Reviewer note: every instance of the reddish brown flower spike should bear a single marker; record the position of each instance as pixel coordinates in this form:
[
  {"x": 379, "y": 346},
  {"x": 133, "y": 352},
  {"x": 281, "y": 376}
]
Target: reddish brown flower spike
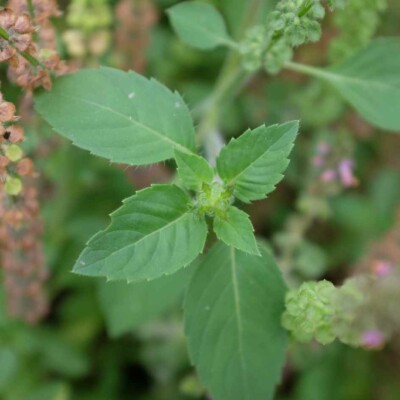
[
  {"x": 19, "y": 31},
  {"x": 23, "y": 24},
  {"x": 16, "y": 134},
  {"x": 7, "y": 18},
  {"x": 7, "y": 111},
  {"x": 25, "y": 167}
]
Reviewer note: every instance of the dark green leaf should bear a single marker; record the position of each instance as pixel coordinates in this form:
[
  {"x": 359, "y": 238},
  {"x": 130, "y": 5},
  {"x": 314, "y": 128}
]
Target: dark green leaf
[
  {"x": 119, "y": 115},
  {"x": 254, "y": 163},
  {"x": 193, "y": 170},
  {"x": 232, "y": 321},
  {"x": 235, "y": 229},
  {"x": 154, "y": 233}
]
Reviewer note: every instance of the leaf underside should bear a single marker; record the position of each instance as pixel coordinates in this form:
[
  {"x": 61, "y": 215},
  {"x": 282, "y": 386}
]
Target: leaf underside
[
  {"x": 199, "y": 25},
  {"x": 370, "y": 81}
]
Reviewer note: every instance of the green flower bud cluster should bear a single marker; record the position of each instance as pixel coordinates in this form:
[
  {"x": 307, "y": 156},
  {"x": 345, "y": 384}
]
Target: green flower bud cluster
[
  {"x": 252, "y": 47},
  {"x": 293, "y": 23},
  {"x": 89, "y": 15},
  {"x": 310, "y": 311},
  {"x": 214, "y": 199},
  {"x": 360, "y": 313},
  {"x": 349, "y": 320},
  {"x": 352, "y": 38}
]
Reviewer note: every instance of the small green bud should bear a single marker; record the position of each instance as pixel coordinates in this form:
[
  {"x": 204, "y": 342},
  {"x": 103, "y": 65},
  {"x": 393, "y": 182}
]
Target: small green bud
[
  {"x": 278, "y": 55},
  {"x": 214, "y": 199},
  {"x": 313, "y": 31},
  {"x": 13, "y": 186},
  {"x": 317, "y": 11},
  {"x": 13, "y": 152}
]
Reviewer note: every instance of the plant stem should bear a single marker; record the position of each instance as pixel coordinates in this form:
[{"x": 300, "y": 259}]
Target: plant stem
[
  {"x": 230, "y": 78},
  {"x": 3, "y": 34},
  {"x": 230, "y": 81},
  {"x": 31, "y": 9},
  {"x": 308, "y": 70}
]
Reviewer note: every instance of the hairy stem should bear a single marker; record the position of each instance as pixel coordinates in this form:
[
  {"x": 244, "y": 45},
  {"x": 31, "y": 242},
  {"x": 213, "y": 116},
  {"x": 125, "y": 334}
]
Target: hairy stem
[{"x": 230, "y": 81}]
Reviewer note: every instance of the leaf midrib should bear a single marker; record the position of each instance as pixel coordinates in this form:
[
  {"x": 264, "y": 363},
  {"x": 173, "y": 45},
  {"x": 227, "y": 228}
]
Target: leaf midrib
[
  {"x": 186, "y": 213},
  {"x": 336, "y": 76},
  {"x": 239, "y": 322},
  {"x": 220, "y": 39},
  {"x": 238, "y": 176},
  {"x": 133, "y": 122}
]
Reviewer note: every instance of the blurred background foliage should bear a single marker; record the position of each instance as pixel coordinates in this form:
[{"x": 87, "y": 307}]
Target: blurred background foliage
[{"x": 88, "y": 347}]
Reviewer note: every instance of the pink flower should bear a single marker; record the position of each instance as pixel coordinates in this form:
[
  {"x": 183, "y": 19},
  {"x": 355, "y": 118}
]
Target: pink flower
[
  {"x": 346, "y": 173},
  {"x": 382, "y": 268},
  {"x": 373, "y": 339},
  {"x": 329, "y": 175}
]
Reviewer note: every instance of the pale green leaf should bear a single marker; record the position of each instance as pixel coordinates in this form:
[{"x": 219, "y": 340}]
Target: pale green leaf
[
  {"x": 154, "y": 233},
  {"x": 8, "y": 366},
  {"x": 369, "y": 81},
  {"x": 254, "y": 163},
  {"x": 235, "y": 229},
  {"x": 193, "y": 170},
  {"x": 232, "y": 321},
  {"x": 128, "y": 305},
  {"x": 199, "y": 25},
  {"x": 119, "y": 115}
]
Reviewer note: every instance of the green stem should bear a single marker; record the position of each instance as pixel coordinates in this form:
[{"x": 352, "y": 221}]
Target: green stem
[
  {"x": 31, "y": 9},
  {"x": 252, "y": 13},
  {"x": 308, "y": 70},
  {"x": 230, "y": 81},
  {"x": 3, "y": 34},
  {"x": 230, "y": 78}
]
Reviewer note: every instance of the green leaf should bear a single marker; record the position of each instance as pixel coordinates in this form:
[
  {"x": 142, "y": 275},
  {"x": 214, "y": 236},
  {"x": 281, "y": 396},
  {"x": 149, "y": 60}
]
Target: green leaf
[
  {"x": 235, "y": 229},
  {"x": 51, "y": 391},
  {"x": 199, "y": 25},
  {"x": 8, "y": 366},
  {"x": 128, "y": 305},
  {"x": 232, "y": 322},
  {"x": 193, "y": 170},
  {"x": 369, "y": 81},
  {"x": 119, "y": 115},
  {"x": 254, "y": 163},
  {"x": 154, "y": 233}
]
